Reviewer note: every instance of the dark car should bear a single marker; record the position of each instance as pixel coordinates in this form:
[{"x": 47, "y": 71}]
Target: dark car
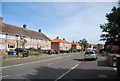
[{"x": 21, "y": 50}]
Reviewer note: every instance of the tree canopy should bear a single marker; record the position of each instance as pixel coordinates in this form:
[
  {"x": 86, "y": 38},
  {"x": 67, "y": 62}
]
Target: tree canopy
[
  {"x": 112, "y": 27},
  {"x": 83, "y": 43}
]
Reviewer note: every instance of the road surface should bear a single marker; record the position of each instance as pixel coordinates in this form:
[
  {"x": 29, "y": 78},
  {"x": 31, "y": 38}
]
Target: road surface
[{"x": 57, "y": 67}]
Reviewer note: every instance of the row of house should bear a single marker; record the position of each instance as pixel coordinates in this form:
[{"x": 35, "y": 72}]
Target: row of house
[
  {"x": 96, "y": 46},
  {"x": 10, "y": 38}
]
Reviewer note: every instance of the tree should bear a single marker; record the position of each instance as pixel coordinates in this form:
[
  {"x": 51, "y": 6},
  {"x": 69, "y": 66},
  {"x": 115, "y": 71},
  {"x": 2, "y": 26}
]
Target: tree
[
  {"x": 83, "y": 43},
  {"x": 112, "y": 27},
  {"x": 23, "y": 41}
]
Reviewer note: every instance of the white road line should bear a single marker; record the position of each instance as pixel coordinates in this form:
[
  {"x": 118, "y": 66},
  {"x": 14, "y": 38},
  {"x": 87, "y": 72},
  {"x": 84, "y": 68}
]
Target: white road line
[
  {"x": 66, "y": 72},
  {"x": 4, "y": 76},
  {"x": 32, "y": 62},
  {"x": 102, "y": 76},
  {"x": 50, "y": 64}
]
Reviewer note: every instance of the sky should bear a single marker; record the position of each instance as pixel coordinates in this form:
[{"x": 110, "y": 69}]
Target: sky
[{"x": 69, "y": 20}]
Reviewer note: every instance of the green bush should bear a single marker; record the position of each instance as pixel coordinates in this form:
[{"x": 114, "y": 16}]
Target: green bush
[
  {"x": 33, "y": 53},
  {"x": 74, "y": 50},
  {"x": 11, "y": 50}
]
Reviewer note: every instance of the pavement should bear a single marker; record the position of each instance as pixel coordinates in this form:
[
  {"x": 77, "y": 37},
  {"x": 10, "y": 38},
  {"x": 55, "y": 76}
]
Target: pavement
[{"x": 70, "y": 67}]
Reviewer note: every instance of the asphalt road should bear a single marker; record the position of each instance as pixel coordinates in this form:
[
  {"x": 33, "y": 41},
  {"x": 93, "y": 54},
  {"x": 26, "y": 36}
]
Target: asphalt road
[{"x": 57, "y": 67}]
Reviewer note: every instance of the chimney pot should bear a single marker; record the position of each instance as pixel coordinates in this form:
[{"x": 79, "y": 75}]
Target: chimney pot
[
  {"x": 57, "y": 37},
  {"x": 25, "y": 26},
  {"x": 1, "y": 19},
  {"x": 39, "y": 30},
  {"x": 63, "y": 38}
]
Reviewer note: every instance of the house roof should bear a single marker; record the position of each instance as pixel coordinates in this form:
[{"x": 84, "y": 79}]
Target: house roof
[
  {"x": 11, "y": 29},
  {"x": 60, "y": 40},
  {"x": 74, "y": 43}
]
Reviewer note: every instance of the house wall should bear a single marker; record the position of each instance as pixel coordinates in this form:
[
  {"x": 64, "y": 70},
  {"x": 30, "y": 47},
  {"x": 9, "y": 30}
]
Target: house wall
[
  {"x": 55, "y": 46},
  {"x": 78, "y": 47},
  {"x": 6, "y": 43},
  {"x": 64, "y": 46},
  {"x": 60, "y": 46}
]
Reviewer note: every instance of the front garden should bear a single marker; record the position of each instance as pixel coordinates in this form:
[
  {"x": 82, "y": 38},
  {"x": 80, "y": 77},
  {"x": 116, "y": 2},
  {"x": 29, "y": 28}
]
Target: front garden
[{"x": 22, "y": 52}]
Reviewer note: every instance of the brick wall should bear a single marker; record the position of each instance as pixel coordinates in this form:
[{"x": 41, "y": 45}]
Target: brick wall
[{"x": 55, "y": 45}]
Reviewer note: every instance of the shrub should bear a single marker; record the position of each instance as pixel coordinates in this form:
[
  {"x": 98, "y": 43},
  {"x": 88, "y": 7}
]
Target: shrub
[
  {"x": 33, "y": 53},
  {"x": 74, "y": 50}
]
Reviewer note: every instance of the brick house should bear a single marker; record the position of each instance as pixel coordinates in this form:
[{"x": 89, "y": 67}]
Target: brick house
[
  {"x": 10, "y": 36},
  {"x": 117, "y": 46},
  {"x": 96, "y": 46},
  {"x": 75, "y": 45},
  {"x": 60, "y": 44},
  {"x": 92, "y": 46}
]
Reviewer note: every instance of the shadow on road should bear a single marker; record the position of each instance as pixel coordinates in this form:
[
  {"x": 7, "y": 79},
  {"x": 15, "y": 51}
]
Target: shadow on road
[
  {"x": 79, "y": 59},
  {"x": 50, "y": 74}
]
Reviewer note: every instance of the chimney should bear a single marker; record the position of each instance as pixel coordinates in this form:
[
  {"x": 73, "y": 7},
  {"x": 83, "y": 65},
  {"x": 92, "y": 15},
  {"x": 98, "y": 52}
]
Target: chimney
[
  {"x": 25, "y": 26},
  {"x": 57, "y": 37},
  {"x": 39, "y": 30},
  {"x": 73, "y": 40},
  {"x": 1, "y": 19},
  {"x": 63, "y": 38}
]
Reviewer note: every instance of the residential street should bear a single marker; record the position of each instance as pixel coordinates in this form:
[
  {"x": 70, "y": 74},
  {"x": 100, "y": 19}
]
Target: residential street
[{"x": 57, "y": 67}]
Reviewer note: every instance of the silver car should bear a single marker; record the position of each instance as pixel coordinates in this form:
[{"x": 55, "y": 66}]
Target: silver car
[{"x": 90, "y": 55}]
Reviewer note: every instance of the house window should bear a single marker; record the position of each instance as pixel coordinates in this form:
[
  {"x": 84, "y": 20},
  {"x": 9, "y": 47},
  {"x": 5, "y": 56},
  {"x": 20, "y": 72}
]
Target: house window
[
  {"x": 2, "y": 35},
  {"x": 20, "y": 37},
  {"x": 47, "y": 41},
  {"x": 34, "y": 46},
  {"x": 2, "y": 46},
  {"x": 20, "y": 46},
  {"x": 11, "y": 36},
  {"x": 34, "y": 39},
  {"x": 28, "y": 38},
  {"x": 11, "y": 45},
  {"x": 43, "y": 41},
  {"x": 27, "y": 46}
]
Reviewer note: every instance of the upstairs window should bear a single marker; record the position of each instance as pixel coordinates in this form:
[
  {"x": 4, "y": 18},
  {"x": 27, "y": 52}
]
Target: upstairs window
[
  {"x": 34, "y": 39},
  {"x": 28, "y": 38},
  {"x": 2, "y": 46},
  {"x": 47, "y": 41},
  {"x": 43, "y": 40},
  {"x": 2, "y": 35},
  {"x": 11, "y": 36}
]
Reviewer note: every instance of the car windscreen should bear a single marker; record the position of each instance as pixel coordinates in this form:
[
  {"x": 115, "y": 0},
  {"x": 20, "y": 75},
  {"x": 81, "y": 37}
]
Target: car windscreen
[{"x": 89, "y": 53}]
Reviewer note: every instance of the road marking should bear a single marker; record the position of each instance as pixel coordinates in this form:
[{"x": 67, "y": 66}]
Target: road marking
[
  {"x": 67, "y": 72},
  {"x": 50, "y": 64},
  {"x": 102, "y": 76},
  {"x": 4, "y": 76},
  {"x": 33, "y": 62}
]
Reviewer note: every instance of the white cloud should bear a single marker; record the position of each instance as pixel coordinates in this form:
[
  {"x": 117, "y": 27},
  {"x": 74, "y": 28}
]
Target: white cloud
[{"x": 83, "y": 24}]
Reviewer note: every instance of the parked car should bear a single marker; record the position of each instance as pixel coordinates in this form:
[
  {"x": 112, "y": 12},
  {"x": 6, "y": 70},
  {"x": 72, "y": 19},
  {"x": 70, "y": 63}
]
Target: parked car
[
  {"x": 90, "y": 55},
  {"x": 21, "y": 50}
]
